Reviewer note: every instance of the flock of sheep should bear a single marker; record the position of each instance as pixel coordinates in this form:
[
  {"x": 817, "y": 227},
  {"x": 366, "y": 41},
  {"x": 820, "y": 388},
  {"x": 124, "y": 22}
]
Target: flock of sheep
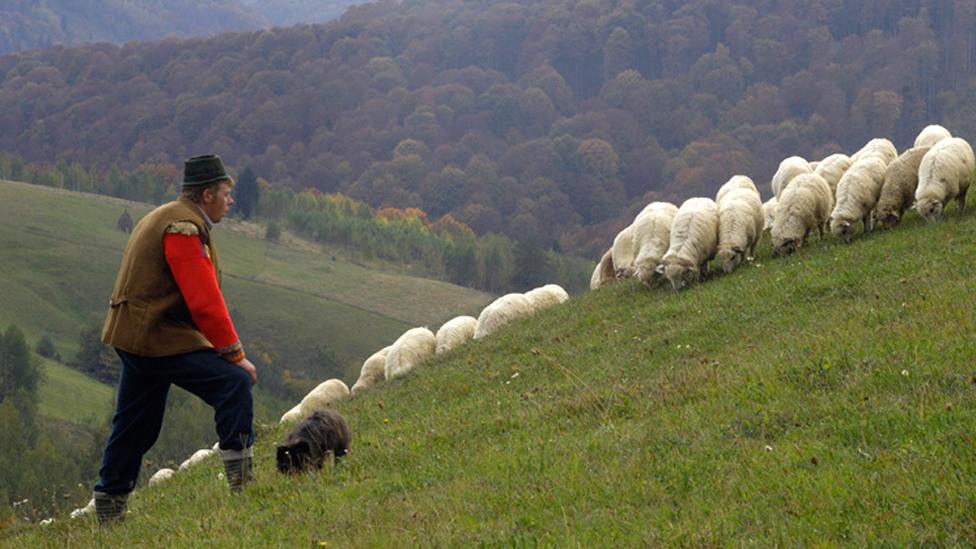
[
  {"x": 409, "y": 350},
  {"x": 875, "y": 184}
]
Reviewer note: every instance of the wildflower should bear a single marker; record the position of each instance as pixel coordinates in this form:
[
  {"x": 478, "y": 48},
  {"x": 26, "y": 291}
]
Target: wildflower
[
  {"x": 904, "y": 373},
  {"x": 515, "y": 375},
  {"x": 768, "y": 448}
]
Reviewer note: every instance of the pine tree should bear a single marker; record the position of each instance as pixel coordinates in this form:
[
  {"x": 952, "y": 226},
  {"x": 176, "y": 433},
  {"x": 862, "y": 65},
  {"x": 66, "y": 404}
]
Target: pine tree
[{"x": 246, "y": 193}]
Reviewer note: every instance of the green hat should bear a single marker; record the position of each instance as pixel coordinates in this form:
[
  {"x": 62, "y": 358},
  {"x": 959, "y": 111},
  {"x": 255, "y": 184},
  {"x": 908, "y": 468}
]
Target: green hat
[{"x": 203, "y": 170}]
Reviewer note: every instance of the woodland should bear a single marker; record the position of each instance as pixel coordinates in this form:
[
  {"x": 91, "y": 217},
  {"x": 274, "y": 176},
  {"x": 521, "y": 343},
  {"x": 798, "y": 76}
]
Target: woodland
[{"x": 550, "y": 121}]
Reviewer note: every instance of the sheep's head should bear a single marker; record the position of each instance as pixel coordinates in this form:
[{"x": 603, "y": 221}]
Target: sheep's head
[
  {"x": 842, "y": 228},
  {"x": 620, "y": 274},
  {"x": 785, "y": 246},
  {"x": 679, "y": 274},
  {"x": 730, "y": 258},
  {"x": 293, "y": 458},
  {"x": 888, "y": 218},
  {"x": 930, "y": 209},
  {"x": 646, "y": 270}
]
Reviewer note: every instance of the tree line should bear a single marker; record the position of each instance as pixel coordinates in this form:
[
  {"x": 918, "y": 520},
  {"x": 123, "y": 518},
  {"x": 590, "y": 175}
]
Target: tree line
[
  {"x": 553, "y": 121},
  {"x": 443, "y": 248}
]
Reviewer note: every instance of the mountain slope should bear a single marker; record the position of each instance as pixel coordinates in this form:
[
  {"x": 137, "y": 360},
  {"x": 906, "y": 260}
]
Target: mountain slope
[
  {"x": 59, "y": 252},
  {"x": 825, "y": 398}
]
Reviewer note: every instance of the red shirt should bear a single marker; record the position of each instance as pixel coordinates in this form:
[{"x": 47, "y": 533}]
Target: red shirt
[{"x": 189, "y": 260}]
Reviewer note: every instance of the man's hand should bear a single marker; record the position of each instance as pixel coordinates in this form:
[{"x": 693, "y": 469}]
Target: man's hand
[{"x": 245, "y": 364}]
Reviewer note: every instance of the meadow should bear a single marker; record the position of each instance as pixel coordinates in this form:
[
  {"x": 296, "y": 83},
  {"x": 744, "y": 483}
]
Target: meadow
[{"x": 823, "y": 399}]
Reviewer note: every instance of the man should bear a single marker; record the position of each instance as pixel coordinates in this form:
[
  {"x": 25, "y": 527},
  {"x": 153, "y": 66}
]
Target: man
[{"x": 168, "y": 322}]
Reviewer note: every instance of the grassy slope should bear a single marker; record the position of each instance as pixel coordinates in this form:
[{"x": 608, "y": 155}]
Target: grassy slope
[
  {"x": 823, "y": 398},
  {"x": 59, "y": 252}
]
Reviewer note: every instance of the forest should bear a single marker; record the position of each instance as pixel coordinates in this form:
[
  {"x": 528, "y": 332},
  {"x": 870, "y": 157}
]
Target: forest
[
  {"x": 28, "y": 24},
  {"x": 553, "y": 121}
]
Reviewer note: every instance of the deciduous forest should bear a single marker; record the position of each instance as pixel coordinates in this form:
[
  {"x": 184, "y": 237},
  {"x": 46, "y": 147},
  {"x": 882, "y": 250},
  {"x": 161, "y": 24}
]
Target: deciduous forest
[{"x": 553, "y": 120}]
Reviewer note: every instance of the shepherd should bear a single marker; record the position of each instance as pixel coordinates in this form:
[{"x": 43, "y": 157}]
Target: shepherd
[{"x": 169, "y": 324}]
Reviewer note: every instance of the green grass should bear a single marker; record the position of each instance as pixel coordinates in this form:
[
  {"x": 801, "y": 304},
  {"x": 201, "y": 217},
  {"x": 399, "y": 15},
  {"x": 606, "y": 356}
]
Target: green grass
[
  {"x": 818, "y": 400},
  {"x": 59, "y": 252},
  {"x": 72, "y": 396}
]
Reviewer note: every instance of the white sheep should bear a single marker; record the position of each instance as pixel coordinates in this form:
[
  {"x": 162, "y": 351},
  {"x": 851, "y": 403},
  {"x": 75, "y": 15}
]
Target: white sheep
[
  {"x": 504, "y": 310},
  {"x": 546, "y": 296},
  {"x": 86, "y": 510},
  {"x": 857, "y": 196},
  {"x": 832, "y": 169},
  {"x": 735, "y": 182},
  {"x": 161, "y": 475},
  {"x": 652, "y": 238},
  {"x": 788, "y": 169},
  {"x": 324, "y": 396},
  {"x": 372, "y": 372},
  {"x": 604, "y": 273},
  {"x": 198, "y": 457},
  {"x": 623, "y": 253},
  {"x": 769, "y": 213},
  {"x": 454, "y": 333},
  {"x": 898, "y": 189},
  {"x": 930, "y": 135},
  {"x": 410, "y": 349},
  {"x": 804, "y": 206},
  {"x": 292, "y": 416},
  {"x": 880, "y": 147},
  {"x": 740, "y": 226},
  {"x": 943, "y": 175},
  {"x": 694, "y": 241}
]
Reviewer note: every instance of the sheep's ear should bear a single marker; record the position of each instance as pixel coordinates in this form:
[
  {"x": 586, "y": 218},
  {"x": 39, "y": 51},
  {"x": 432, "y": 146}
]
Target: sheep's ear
[
  {"x": 737, "y": 249},
  {"x": 659, "y": 269}
]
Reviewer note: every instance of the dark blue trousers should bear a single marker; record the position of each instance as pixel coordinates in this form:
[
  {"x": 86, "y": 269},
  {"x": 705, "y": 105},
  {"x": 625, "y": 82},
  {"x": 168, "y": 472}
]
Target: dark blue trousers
[{"x": 143, "y": 387}]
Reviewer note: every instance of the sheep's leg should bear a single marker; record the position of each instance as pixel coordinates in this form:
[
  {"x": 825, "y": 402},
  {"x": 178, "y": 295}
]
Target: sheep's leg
[
  {"x": 961, "y": 199},
  {"x": 866, "y": 223}
]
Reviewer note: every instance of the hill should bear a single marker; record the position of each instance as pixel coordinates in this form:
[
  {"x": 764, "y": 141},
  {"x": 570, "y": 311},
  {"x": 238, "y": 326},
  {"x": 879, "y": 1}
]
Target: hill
[
  {"x": 292, "y": 301},
  {"x": 821, "y": 399},
  {"x": 549, "y": 120},
  {"x": 27, "y": 25}
]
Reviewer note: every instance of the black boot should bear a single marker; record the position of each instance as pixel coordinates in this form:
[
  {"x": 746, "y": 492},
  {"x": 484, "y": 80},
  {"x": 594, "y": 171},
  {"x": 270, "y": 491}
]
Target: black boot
[
  {"x": 110, "y": 508},
  {"x": 238, "y": 468}
]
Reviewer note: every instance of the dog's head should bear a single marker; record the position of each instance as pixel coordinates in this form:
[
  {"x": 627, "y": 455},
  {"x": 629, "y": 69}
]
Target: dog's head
[{"x": 293, "y": 458}]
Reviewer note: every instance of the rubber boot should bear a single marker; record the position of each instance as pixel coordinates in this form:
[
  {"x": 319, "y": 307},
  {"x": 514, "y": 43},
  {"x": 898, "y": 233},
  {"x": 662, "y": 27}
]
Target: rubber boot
[
  {"x": 110, "y": 508},
  {"x": 238, "y": 468}
]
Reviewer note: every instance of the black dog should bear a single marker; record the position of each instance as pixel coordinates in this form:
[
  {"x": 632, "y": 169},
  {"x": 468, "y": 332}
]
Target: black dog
[{"x": 312, "y": 439}]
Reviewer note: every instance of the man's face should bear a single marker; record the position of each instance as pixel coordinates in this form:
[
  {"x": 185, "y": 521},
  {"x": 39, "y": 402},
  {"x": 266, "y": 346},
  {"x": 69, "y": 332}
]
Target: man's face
[{"x": 216, "y": 203}]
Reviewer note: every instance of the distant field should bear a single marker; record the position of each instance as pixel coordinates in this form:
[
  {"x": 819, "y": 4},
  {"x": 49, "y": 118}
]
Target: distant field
[
  {"x": 72, "y": 396},
  {"x": 59, "y": 252}
]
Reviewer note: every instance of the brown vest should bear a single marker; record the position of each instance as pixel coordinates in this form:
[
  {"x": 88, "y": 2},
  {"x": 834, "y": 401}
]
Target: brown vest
[{"x": 147, "y": 315}]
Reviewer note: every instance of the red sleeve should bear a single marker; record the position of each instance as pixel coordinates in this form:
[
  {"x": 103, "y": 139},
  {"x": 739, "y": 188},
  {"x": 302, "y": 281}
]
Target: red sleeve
[{"x": 189, "y": 260}]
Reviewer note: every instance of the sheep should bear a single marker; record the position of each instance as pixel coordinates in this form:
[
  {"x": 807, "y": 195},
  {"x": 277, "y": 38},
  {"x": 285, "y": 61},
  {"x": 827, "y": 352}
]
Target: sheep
[
  {"x": 162, "y": 475},
  {"x": 291, "y": 416},
  {"x": 694, "y": 241},
  {"x": 804, "y": 206},
  {"x": 545, "y": 297},
  {"x": 769, "y": 212},
  {"x": 198, "y": 457},
  {"x": 898, "y": 189},
  {"x": 944, "y": 174},
  {"x": 736, "y": 182},
  {"x": 86, "y": 510},
  {"x": 623, "y": 253},
  {"x": 652, "y": 238},
  {"x": 880, "y": 147},
  {"x": 930, "y": 135},
  {"x": 323, "y": 433},
  {"x": 740, "y": 226},
  {"x": 604, "y": 273},
  {"x": 857, "y": 195},
  {"x": 372, "y": 372},
  {"x": 455, "y": 332},
  {"x": 788, "y": 169},
  {"x": 323, "y": 396},
  {"x": 413, "y": 347},
  {"x": 832, "y": 169},
  {"x": 505, "y": 309}
]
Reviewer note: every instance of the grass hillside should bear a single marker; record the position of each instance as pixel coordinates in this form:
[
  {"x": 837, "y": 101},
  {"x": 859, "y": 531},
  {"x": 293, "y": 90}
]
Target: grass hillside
[
  {"x": 818, "y": 400},
  {"x": 59, "y": 252}
]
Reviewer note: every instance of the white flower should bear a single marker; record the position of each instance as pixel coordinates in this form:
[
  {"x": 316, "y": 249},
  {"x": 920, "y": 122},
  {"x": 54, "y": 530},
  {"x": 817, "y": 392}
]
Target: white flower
[
  {"x": 768, "y": 448},
  {"x": 47, "y": 521},
  {"x": 904, "y": 373}
]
